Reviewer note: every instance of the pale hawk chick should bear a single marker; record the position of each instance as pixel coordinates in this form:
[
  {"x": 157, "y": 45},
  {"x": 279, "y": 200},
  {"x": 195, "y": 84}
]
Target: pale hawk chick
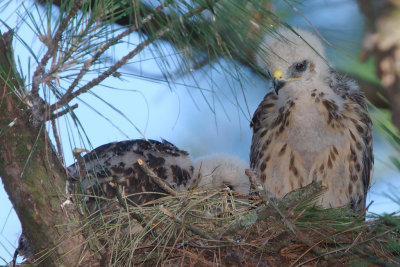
[
  {"x": 314, "y": 127},
  {"x": 222, "y": 170}
]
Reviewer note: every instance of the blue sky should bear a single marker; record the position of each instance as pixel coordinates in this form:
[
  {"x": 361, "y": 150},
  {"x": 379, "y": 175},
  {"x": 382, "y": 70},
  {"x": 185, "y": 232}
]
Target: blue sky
[{"x": 168, "y": 111}]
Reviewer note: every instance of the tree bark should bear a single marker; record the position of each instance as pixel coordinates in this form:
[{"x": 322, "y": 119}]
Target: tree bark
[
  {"x": 382, "y": 40},
  {"x": 33, "y": 177}
]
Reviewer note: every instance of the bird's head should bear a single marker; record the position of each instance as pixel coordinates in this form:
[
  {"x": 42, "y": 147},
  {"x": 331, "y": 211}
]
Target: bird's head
[{"x": 292, "y": 58}]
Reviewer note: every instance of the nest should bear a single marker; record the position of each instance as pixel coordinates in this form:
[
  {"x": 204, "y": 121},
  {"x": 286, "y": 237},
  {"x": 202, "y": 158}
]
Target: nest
[{"x": 223, "y": 228}]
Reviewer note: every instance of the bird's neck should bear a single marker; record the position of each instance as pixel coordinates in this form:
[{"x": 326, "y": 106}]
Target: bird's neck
[
  {"x": 308, "y": 132},
  {"x": 307, "y": 93}
]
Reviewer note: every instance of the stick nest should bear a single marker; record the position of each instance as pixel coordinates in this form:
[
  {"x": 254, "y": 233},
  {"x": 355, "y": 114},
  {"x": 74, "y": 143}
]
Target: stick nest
[{"x": 223, "y": 228}]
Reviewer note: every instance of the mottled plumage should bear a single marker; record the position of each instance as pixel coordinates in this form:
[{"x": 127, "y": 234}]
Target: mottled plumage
[
  {"x": 115, "y": 165},
  {"x": 315, "y": 127},
  {"x": 113, "y": 168}
]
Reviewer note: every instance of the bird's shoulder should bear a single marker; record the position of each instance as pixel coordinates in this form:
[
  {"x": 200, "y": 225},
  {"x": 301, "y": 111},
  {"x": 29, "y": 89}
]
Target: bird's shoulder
[
  {"x": 131, "y": 149},
  {"x": 261, "y": 124},
  {"x": 360, "y": 124},
  {"x": 346, "y": 88},
  {"x": 264, "y": 108},
  {"x": 134, "y": 147}
]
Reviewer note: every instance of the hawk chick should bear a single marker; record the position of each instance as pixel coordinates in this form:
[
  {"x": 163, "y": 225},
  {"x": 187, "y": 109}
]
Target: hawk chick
[
  {"x": 222, "y": 170},
  {"x": 114, "y": 166},
  {"x": 314, "y": 127}
]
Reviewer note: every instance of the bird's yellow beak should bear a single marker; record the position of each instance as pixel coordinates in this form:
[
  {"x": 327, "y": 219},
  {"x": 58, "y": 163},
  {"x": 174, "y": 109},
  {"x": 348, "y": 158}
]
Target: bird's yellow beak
[
  {"x": 278, "y": 80},
  {"x": 278, "y": 74}
]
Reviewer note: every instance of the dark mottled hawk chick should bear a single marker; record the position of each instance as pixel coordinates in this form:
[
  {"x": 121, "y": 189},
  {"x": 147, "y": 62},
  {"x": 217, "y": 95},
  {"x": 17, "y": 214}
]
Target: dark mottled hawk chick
[
  {"x": 314, "y": 127},
  {"x": 115, "y": 165},
  {"x": 113, "y": 168}
]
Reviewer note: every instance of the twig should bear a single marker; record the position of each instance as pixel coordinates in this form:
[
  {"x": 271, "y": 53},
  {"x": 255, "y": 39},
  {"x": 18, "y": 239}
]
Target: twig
[
  {"x": 71, "y": 95},
  {"x": 52, "y": 47},
  {"x": 58, "y": 141},
  {"x": 53, "y": 118},
  {"x": 63, "y": 112},
  {"x": 359, "y": 243},
  {"x": 305, "y": 253},
  {"x": 68, "y": 97},
  {"x": 160, "y": 182},
  {"x": 190, "y": 227},
  {"x": 362, "y": 214},
  {"x": 354, "y": 242},
  {"x": 174, "y": 245},
  {"x": 81, "y": 163},
  {"x": 299, "y": 235},
  {"x": 346, "y": 249},
  {"x": 287, "y": 222},
  {"x": 196, "y": 257},
  {"x": 14, "y": 259},
  {"x": 122, "y": 201},
  {"x": 103, "y": 48}
]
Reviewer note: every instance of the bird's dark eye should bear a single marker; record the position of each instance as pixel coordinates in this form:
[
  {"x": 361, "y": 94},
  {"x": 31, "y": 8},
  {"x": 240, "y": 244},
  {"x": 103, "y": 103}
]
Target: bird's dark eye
[{"x": 301, "y": 66}]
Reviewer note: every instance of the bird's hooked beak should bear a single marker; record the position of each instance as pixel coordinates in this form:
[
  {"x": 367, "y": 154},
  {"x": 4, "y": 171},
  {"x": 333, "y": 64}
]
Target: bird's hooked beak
[{"x": 278, "y": 80}]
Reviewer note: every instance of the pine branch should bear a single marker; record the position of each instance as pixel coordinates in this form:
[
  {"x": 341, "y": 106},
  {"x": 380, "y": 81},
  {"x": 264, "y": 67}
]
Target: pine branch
[
  {"x": 71, "y": 95},
  {"x": 62, "y": 113},
  {"x": 68, "y": 96},
  {"x": 52, "y": 48}
]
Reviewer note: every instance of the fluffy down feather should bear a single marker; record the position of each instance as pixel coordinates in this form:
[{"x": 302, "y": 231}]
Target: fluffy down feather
[{"x": 315, "y": 128}]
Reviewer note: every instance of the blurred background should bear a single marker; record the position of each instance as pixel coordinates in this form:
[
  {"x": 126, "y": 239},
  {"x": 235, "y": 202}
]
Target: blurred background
[{"x": 205, "y": 111}]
